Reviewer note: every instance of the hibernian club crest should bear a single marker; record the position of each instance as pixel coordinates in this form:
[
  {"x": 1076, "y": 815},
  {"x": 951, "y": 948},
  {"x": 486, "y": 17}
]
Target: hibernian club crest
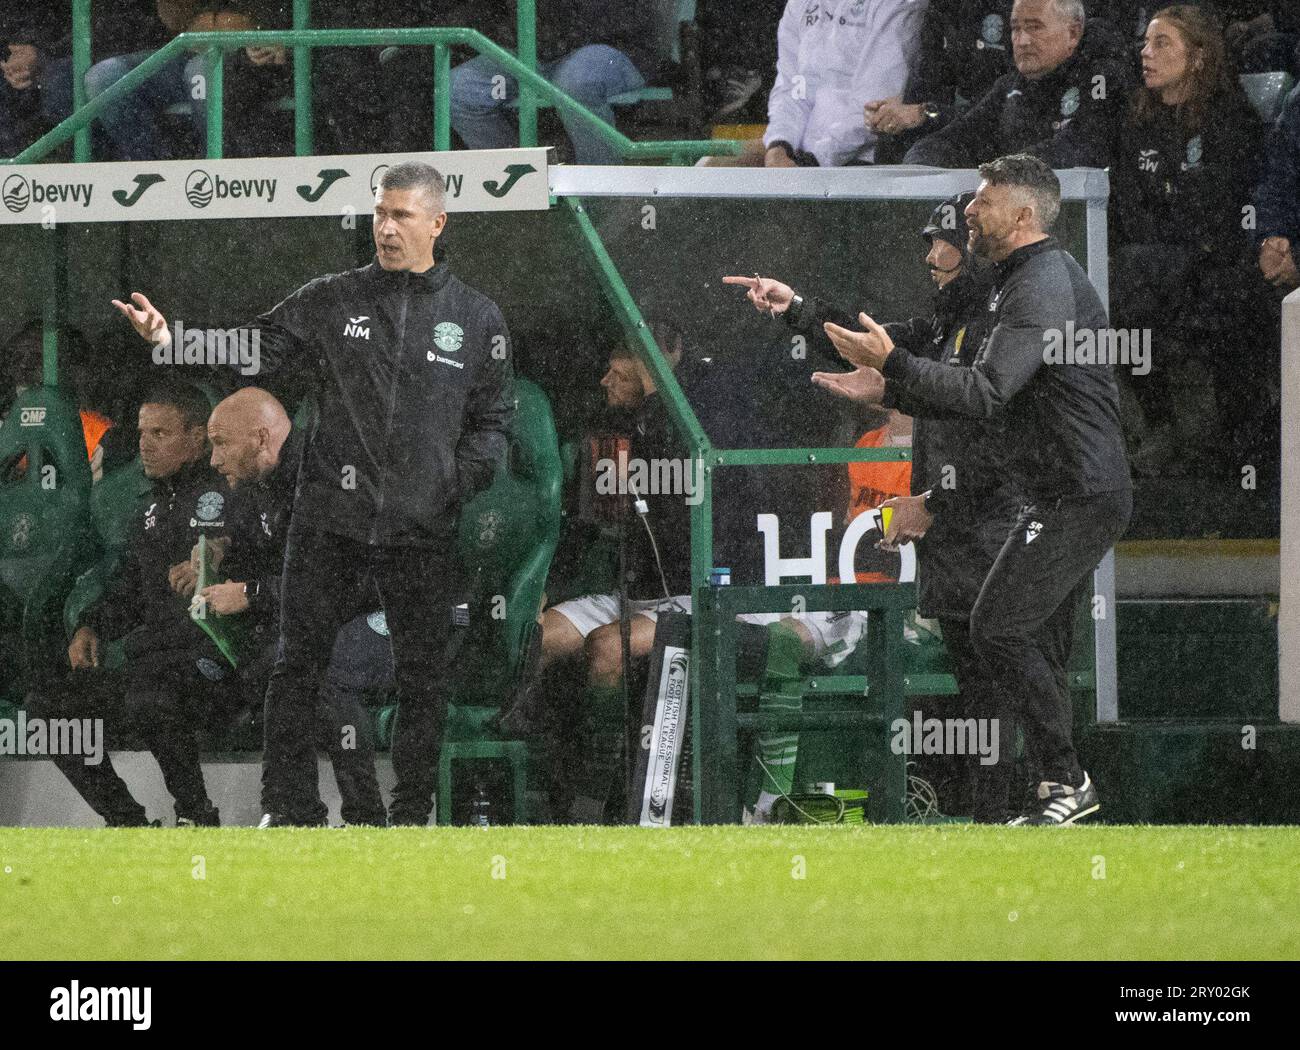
[
  {"x": 210, "y": 505},
  {"x": 448, "y": 337}
]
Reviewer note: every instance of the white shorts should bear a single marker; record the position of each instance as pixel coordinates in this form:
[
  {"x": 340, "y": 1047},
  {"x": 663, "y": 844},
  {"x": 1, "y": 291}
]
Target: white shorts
[{"x": 834, "y": 635}]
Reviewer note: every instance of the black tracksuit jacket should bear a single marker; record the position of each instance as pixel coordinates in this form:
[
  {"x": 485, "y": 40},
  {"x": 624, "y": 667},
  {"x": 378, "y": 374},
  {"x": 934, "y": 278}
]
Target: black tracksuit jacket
[
  {"x": 138, "y": 601},
  {"x": 1061, "y": 431},
  {"x": 976, "y": 502},
  {"x": 1057, "y": 118},
  {"x": 965, "y": 48},
  {"x": 413, "y": 379},
  {"x": 260, "y": 513}
]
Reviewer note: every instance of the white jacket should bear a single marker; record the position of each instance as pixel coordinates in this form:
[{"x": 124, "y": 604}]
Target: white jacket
[{"x": 833, "y": 56}]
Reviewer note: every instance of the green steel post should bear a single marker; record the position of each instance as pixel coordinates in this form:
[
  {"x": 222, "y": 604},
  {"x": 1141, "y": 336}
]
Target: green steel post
[
  {"x": 441, "y": 97},
  {"x": 55, "y": 307},
  {"x": 679, "y": 409},
  {"x": 216, "y": 80},
  {"x": 703, "y": 675},
  {"x": 80, "y": 64},
  {"x": 526, "y": 47},
  {"x": 304, "y": 139}
]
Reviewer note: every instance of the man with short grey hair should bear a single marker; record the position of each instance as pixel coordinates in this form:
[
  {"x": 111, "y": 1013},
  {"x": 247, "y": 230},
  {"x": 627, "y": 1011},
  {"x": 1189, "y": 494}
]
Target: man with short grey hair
[
  {"x": 1060, "y": 418},
  {"x": 1060, "y": 103},
  {"x": 411, "y": 369}
]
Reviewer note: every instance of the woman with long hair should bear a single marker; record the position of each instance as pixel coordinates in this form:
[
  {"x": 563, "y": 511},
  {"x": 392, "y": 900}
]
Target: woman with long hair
[{"x": 1184, "y": 167}]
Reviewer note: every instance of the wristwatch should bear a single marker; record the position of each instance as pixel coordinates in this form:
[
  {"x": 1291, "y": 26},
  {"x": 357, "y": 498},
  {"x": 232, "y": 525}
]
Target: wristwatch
[
  {"x": 795, "y": 308},
  {"x": 931, "y": 110}
]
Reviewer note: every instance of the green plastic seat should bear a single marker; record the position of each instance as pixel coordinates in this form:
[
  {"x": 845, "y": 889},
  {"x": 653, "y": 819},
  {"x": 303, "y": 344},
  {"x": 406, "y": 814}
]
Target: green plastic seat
[
  {"x": 508, "y": 536},
  {"x": 45, "y": 522},
  {"x": 1266, "y": 92},
  {"x": 115, "y": 504}
]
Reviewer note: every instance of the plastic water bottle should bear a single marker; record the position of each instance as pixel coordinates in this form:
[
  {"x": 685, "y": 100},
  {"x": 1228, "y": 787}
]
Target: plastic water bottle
[{"x": 480, "y": 810}]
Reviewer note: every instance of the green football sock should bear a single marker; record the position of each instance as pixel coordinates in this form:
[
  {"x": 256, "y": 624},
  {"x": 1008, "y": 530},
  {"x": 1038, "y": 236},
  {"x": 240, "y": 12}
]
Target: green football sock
[{"x": 772, "y": 773}]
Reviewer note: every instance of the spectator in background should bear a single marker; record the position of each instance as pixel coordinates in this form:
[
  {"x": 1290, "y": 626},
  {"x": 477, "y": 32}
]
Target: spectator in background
[
  {"x": 36, "y": 58},
  {"x": 371, "y": 99},
  {"x": 1262, "y": 35},
  {"x": 1278, "y": 200},
  {"x": 832, "y": 59},
  {"x": 1061, "y": 104},
  {"x": 1185, "y": 160},
  {"x": 253, "y": 74},
  {"x": 965, "y": 48},
  {"x": 738, "y": 54},
  {"x": 36, "y": 86},
  {"x": 591, "y": 50}
]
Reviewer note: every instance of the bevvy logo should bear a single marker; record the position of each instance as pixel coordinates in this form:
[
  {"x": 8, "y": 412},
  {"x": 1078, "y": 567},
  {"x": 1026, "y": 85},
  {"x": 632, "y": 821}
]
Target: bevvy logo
[
  {"x": 18, "y": 193},
  {"x": 202, "y": 188}
]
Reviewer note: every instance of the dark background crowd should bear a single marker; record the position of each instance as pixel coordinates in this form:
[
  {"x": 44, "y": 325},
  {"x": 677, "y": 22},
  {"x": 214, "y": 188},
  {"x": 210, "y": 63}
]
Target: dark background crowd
[{"x": 1192, "y": 119}]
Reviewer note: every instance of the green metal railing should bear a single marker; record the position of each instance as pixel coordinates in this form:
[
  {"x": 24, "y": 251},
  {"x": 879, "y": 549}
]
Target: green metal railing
[
  {"x": 532, "y": 86},
  {"x": 716, "y": 720}
]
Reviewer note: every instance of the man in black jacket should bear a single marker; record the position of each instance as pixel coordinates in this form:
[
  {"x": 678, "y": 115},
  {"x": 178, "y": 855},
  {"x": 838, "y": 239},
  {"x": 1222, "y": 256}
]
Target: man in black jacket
[
  {"x": 1061, "y": 103},
  {"x": 257, "y": 451},
  {"x": 1060, "y": 410},
  {"x": 412, "y": 370},
  {"x": 174, "y": 680},
  {"x": 963, "y": 504},
  {"x": 965, "y": 48}
]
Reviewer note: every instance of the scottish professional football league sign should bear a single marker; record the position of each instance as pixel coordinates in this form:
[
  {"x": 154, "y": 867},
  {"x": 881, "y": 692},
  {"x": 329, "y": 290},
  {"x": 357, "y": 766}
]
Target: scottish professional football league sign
[{"x": 269, "y": 187}]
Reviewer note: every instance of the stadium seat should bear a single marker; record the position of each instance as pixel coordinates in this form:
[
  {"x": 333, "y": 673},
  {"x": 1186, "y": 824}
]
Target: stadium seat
[
  {"x": 508, "y": 536},
  {"x": 114, "y": 504},
  {"x": 1266, "y": 92},
  {"x": 45, "y": 519}
]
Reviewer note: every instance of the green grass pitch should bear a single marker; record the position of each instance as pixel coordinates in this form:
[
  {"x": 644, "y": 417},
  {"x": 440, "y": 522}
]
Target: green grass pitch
[{"x": 951, "y": 892}]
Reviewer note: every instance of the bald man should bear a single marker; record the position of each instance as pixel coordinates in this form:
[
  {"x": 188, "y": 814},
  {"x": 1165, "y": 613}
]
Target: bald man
[{"x": 257, "y": 451}]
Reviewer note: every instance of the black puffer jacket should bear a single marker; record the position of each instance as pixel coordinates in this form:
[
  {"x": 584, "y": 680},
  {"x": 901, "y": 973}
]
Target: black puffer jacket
[
  {"x": 138, "y": 601},
  {"x": 1066, "y": 118},
  {"x": 965, "y": 48}
]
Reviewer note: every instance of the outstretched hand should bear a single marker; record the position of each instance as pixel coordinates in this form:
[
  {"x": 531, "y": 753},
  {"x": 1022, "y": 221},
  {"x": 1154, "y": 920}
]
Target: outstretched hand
[
  {"x": 864, "y": 349},
  {"x": 145, "y": 318},
  {"x": 864, "y": 385},
  {"x": 769, "y": 296}
]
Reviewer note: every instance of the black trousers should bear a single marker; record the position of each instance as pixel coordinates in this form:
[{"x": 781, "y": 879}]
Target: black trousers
[
  {"x": 327, "y": 581},
  {"x": 989, "y": 785},
  {"x": 1022, "y": 623},
  {"x": 362, "y": 662},
  {"x": 162, "y": 700}
]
